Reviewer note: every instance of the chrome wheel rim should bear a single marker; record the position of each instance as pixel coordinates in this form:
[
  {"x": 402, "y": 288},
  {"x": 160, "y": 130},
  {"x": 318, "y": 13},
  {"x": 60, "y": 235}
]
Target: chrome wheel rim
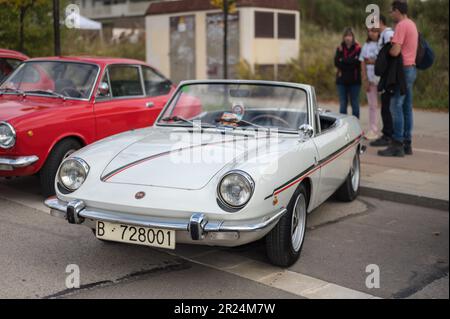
[
  {"x": 355, "y": 171},
  {"x": 298, "y": 222}
]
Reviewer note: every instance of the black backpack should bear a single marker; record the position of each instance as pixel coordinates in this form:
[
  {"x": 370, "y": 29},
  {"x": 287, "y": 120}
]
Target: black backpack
[{"x": 425, "y": 55}]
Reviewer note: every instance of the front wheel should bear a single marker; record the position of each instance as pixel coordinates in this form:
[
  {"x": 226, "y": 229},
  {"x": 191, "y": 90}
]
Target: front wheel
[
  {"x": 350, "y": 189},
  {"x": 48, "y": 172},
  {"x": 284, "y": 243}
]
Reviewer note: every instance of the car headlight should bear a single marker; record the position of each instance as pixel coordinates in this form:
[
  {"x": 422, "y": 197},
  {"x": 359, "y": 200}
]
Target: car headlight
[
  {"x": 236, "y": 188},
  {"x": 72, "y": 173},
  {"x": 7, "y": 135}
]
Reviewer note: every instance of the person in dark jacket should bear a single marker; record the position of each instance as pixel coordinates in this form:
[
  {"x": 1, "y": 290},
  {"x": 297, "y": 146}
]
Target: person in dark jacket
[
  {"x": 390, "y": 71},
  {"x": 348, "y": 79}
]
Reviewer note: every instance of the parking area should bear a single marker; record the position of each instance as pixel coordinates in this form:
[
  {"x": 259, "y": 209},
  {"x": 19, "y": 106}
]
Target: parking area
[{"x": 408, "y": 244}]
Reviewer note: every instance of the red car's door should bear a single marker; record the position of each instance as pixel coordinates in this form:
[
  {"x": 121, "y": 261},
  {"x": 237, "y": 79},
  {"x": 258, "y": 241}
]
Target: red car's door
[{"x": 129, "y": 97}]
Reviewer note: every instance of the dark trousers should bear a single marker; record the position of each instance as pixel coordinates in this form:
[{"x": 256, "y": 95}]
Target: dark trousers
[
  {"x": 386, "y": 115},
  {"x": 346, "y": 91}
]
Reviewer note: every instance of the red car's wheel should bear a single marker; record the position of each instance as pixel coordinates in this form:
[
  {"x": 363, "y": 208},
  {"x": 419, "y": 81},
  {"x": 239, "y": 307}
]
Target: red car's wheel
[{"x": 48, "y": 172}]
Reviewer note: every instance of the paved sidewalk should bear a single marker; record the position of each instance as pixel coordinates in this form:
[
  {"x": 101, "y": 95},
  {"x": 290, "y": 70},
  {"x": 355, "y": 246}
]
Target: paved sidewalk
[{"x": 421, "y": 179}]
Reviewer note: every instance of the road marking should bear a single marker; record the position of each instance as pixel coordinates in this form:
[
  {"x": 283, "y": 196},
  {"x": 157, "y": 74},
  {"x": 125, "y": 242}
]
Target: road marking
[
  {"x": 420, "y": 150},
  {"x": 274, "y": 277}
]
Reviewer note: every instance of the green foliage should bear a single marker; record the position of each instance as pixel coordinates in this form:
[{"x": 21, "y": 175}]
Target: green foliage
[
  {"x": 84, "y": 43},
  {"x": 37, "y": 25},
  {"x": 338, "y": 14}
]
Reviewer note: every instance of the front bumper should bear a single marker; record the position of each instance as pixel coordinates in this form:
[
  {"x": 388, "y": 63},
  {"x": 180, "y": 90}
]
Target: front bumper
[
  {"x": 11, "y": 163},
  {"x": 198, "y": 229}
]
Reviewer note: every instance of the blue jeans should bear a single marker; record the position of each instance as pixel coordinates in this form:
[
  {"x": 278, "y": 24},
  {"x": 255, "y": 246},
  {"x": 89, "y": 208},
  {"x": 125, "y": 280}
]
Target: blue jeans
[
  {"x": 402, "y": 108},
  {"x": 344, "y": 92}
]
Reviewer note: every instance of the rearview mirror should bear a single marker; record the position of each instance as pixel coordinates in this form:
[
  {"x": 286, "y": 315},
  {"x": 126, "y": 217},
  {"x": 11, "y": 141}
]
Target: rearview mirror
[{"x": 306, "y": 130}]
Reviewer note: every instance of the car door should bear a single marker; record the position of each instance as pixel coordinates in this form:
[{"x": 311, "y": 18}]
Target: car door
[
  {"x": 122, "y": 102},
  {"x": 333, "y": 160}
]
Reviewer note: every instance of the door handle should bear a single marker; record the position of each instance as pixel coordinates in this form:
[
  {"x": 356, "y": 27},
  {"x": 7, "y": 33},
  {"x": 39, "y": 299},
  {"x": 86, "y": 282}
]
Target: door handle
[{"x": 149, "y": 104}]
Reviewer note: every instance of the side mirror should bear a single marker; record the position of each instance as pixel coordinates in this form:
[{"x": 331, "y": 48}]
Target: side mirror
[
  {"x": 306, "y": 130},
  {"x": 103, "y": 89}
]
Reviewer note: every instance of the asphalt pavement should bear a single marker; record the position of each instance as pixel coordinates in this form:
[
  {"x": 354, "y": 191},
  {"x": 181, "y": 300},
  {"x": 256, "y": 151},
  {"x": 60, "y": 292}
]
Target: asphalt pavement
[{"x": 408, "y": 244}]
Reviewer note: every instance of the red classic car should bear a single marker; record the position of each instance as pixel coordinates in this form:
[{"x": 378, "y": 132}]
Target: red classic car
[
  {"x": 51, "y": 107},
  {"x": 9, "y": 60}
]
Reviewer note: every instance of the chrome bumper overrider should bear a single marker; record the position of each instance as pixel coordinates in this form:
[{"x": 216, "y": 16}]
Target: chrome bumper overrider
[
  {"x": 75, "y": 212},
  {"x": 8, "y": 164}
]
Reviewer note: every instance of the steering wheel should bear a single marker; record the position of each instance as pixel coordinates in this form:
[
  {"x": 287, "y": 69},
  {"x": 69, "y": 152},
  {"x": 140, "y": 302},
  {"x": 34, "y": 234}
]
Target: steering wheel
[
  {"x": 284, "y": 123},
  {"x": 70, "y": 92}
]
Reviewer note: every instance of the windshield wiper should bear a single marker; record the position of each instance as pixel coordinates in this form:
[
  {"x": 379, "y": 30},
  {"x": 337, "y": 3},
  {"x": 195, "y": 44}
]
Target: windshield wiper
[
  {"x": 176, "y": 119},
  {"x": 50, "y": 92},
  {"x": 17, "y": 91},
  {"x": 182, "y": 119}
]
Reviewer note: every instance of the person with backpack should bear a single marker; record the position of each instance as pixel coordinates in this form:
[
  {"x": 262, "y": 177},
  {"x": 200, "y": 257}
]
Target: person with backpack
[
  {"x": 386, "y": 35},
  {"x": 348, "y": 78},
  {"x": 405, "y": 44}
]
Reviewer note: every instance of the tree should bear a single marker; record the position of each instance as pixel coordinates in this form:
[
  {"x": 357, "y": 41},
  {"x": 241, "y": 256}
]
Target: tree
[
  {"x": 20, "y": 10},
  {"x": 227, "y": 6}
]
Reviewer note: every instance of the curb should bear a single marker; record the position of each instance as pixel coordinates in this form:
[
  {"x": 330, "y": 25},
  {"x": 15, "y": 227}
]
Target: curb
[{"x": 404, "y": 198}]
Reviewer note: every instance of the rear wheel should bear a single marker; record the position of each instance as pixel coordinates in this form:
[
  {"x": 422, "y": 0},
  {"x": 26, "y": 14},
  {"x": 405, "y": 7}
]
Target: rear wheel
[
  {"x": 350, "y": 189},
  {"x": 284, "y": 243},
  {"x": 48, "y": 172}
]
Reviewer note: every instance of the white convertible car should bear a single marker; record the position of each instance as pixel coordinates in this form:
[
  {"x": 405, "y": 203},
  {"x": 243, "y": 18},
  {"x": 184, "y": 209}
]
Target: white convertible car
[{"x": 226, "y": 163}]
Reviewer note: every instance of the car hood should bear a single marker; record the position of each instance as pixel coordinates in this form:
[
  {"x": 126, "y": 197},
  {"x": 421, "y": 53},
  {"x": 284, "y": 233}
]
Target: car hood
[
  {"x": 180, "y": 159},
  {"x": 11, "y": 109}
]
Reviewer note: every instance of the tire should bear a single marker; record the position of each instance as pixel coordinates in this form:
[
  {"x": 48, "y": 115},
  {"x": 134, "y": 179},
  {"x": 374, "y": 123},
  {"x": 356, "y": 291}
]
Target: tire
[
  {"x": 282, "y": 247},
  {"x": 48, "y": 172},
  {"x": 350, "y": 189}
]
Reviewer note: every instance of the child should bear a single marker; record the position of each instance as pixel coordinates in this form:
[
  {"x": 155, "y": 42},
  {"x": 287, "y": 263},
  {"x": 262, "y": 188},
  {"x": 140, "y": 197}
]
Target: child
[{"x": 368, "y": 57}]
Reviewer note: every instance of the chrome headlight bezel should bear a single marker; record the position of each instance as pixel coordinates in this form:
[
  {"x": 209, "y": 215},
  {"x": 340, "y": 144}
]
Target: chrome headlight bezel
[
  {"x": 80, "y": 164},
  {"x": 13, "y": 136},
  {"x": 246, "y": 178}
]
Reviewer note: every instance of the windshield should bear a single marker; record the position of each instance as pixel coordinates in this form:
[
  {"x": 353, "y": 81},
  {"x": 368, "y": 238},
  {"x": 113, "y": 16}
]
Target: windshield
[
  {"x": 7, "y": 66},
  {"x": 53, "y": 78},
  {"x": 268, "y": 106}
]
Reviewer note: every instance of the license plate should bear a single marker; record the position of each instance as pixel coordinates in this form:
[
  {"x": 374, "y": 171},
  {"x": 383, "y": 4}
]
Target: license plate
[{"x": 162, "y": 238}]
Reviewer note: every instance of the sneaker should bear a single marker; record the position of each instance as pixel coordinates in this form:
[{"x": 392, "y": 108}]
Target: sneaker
[
  {"x": 371, "y": 136},
  {"x": 395, "y": 149},
  {"x": 383, "y": 141},
  {"x": 408, "y": 148}
]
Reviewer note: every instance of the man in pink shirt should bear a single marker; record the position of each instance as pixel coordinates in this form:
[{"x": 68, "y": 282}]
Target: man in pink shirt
[{"x": 405, "y": 43}]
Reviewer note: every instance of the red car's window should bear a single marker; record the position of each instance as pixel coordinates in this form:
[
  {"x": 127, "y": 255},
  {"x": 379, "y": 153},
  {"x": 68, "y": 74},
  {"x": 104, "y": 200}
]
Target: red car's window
[
  {"x": 125, "y": 80},
  {"x": 154, "y": 83}
]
